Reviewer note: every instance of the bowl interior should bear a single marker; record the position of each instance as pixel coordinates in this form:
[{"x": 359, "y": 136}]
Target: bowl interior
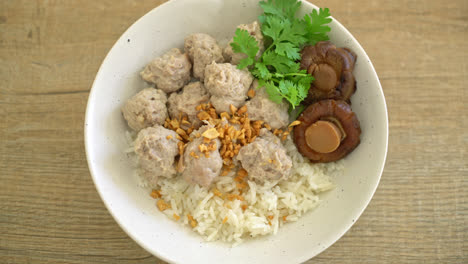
[{"x": 118, "y": 79}]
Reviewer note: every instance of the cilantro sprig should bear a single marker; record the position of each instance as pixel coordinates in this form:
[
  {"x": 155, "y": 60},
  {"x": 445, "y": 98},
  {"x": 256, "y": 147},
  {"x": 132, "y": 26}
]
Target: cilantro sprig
[
  {"x": 277, "y": 68},
  {"x": 244, "y": 43}
]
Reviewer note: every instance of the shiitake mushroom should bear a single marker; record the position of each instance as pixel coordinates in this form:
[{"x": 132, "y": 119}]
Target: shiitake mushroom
[
  {"x": 329, "y": 130},
  {"x": 332, "y": 69}
]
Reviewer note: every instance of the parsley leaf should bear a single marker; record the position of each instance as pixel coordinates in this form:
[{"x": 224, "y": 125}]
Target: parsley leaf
[
  {"x": 285, "y": 9},
  {"x": 244, "y": 43},
  {"x": 274, "y": 26},
  {"x": 281, "y": 64},
  {"x": 316, "y": 25},
  {"x": 293, "y": 92},
  {"x": 288, "y": 50},
  {"x": 294, "y": 33},
  {"x": 261, "y": 71},
  {"x": 272, "y": 91},
  {"x": 277, "y": 69}
]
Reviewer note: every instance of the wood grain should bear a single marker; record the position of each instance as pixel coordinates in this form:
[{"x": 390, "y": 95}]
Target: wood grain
[{"x": 50, "y": 211}]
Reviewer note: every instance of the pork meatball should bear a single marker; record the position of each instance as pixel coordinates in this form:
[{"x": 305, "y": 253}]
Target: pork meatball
[
  {"x": 265, "y": 159},
  {"x": 262, "y": 108},
  {"x": 156, "y": 148},
  {"x": 199, "y": 168},
  {"x": 227, "y": 85},
  {"x": 145, "y": 109},
  {"x": 192, "y": 95},
  {"x": 202, "y": 50},
  {"x": 169, "y": 72},
  {"x": 254, "y": 30}
]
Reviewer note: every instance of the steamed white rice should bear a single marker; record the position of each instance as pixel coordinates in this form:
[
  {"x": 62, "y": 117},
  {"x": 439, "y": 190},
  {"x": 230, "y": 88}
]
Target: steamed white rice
[{"x": 267, "y": 207}]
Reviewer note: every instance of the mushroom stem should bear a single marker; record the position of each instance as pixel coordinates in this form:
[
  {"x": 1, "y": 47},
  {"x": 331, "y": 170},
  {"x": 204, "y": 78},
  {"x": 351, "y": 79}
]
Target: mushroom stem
[
  {"x": 325, "y": 76},
  {"x": 337, "y": 123},
  {"x": 323, "y": 136}
]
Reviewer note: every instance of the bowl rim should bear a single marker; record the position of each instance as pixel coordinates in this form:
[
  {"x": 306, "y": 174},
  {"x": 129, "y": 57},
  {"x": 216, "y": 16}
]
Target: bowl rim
[{"x": 160, "y": 255}]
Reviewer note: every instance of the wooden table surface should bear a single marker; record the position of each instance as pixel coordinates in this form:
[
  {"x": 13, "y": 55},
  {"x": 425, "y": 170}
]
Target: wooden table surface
[{"x": 50, "y": 52}]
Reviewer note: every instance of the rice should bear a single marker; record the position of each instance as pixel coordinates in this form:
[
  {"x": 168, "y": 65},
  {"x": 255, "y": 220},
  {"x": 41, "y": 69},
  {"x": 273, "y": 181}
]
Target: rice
[{"x": 259, "y": 210}]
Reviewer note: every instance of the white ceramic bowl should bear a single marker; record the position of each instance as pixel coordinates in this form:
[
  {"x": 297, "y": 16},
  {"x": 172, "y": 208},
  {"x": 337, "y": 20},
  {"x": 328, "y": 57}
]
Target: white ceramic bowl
[{"x": 118, "y": 79}]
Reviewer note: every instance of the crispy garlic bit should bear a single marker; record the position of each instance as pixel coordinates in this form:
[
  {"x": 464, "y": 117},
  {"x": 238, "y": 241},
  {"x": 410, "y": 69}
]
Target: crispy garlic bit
[
  {"x": 251, "y": 93},
  {"x": 234, "y": 130},
  {"x": 211, "y": 133},
  {"x": 162, "y": 205}
]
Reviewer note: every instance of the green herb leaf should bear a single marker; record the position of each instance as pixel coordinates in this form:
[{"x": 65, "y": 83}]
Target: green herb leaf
[
  {"x": 273, "y": 92},
  {"x": 243, "y": 42},
  {"x": 293, "y": 92},
  {"x": 316, "y": 25},
  {"x": 285, "y": 9},
  {"x": 294, "y": 32},
  {"x": 274, "y": 26},
  {"x": 281, "y": 64},
  {"x": 288, "y": 50},
  {"x": 261, "y": 71},
  {"x": 277, "y": 69}
]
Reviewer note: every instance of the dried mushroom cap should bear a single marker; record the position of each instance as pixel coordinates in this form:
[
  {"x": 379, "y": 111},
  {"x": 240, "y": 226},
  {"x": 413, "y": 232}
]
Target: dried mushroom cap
[
  {"x": 332, "y": 69},
  {"x": 333, "y": 117}
]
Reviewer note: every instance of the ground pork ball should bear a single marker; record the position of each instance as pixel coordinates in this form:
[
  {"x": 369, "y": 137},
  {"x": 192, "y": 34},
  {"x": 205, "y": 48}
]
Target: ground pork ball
[
  {"x": 156, "y": 148},
  {"x": 227, "y": 85},
  {"x": 145, "y": 109},
  {"x": 262, "y": 108},
  {"x": 198, "y": 168},
  {"x": 202, "y": 50},
  {"x": 185, "y": 102},
  {"x": 265, "y": 159},
  {"x": 170, "y": 72}
]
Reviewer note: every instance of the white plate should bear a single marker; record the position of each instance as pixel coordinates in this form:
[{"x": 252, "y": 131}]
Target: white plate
[{"x": 118, "y": 79}]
